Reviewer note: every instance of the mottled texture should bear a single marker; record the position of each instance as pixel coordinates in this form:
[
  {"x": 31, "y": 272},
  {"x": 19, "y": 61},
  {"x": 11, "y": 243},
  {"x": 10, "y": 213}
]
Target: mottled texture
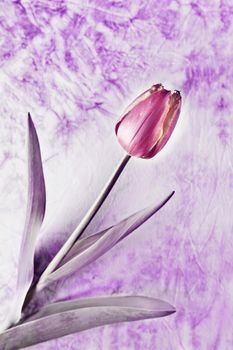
[{"x": 75, "y": 66}]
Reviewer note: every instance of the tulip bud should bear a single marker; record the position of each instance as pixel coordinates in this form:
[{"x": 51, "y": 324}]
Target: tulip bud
[{"x": 149, "y": 122}]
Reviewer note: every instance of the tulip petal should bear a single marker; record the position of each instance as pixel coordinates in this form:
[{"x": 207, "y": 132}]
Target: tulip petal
[
  {"x": 143, "y": 96},
  {"x": 89, "y": 249},
  {"x": 34, "y": 217},
  {"x": 169, "y": 123},
  {"x": 64, "y": 318}
]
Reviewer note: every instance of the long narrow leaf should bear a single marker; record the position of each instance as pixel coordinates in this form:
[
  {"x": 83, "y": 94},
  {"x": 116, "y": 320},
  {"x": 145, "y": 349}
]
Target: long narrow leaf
[
  {"x": 139, "y": 218},
  {"x": 89, "y": 249},
  {"x": 34, "y": 217},
  {"x": 61, "y": 319}
]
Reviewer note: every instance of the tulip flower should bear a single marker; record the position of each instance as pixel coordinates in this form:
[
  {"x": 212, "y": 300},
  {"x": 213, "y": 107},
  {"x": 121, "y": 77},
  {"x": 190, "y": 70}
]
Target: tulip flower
[
  {"x": 149, "y": 122},
  {"x": 143, "y": 132}
]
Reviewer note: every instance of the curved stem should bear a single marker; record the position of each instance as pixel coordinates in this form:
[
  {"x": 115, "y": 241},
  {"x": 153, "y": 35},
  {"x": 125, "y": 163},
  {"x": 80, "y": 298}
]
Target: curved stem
[{"x": 85, "y": 221}]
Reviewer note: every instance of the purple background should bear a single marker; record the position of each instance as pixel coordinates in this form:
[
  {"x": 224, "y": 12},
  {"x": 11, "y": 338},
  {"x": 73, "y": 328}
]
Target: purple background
[{"x": 75, "y": 66}]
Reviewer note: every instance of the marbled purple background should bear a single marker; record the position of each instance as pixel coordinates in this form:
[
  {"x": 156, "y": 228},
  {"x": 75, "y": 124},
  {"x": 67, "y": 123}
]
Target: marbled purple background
[{"x": 75, "y": 65}]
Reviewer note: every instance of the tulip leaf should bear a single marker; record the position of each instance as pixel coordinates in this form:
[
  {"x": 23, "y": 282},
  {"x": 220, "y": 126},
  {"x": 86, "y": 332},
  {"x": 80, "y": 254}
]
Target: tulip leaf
[
  {"x": 34, "y": 216},
  {"x": 87, "y": 250},
  {"x": 64, "y": 318}
]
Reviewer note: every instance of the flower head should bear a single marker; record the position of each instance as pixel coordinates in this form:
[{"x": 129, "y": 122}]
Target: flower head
[{"x": 149, "y": 122}]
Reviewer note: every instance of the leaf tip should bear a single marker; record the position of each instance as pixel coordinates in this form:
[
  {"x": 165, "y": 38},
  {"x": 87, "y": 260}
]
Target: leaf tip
[
  {"x": 172, "y": 311},
  {"x": 30, "y": 122},
  {"x": 172, "y": 307},
  {"x": 31, "y": 127},
  {"x": 29, "y": 118}
]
